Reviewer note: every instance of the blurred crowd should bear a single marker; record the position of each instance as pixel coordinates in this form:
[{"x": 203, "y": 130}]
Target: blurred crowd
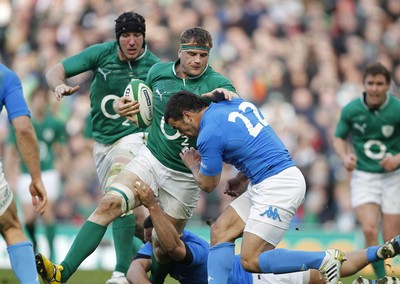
[{"x": 299, "y": 61}]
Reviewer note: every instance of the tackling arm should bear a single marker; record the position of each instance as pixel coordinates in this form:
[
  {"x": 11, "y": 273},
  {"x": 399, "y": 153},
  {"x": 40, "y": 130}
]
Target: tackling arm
[
  {"x": 167, "y": 234},
  {"x": 192, "y": 160}
]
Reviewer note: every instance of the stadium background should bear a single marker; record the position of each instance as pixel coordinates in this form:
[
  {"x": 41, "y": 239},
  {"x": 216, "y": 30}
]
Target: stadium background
[{"x": 299, "y": 61}]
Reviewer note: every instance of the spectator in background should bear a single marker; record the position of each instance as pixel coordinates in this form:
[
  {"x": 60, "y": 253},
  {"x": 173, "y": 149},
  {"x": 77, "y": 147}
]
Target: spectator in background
[
  {"x": 374, "y": 123},
  {"x": 19, "y": 249},
  {"x": 52, "y": 141},
  {"x": 114, "y": 65}
]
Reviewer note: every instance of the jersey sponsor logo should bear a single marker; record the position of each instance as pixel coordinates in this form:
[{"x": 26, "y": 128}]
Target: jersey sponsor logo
[
  {"x": 360, "y": 127},
  {"x": 387, "y": 130},
  {"x": 104, "y": 73},
  {"x": 272, "y": 213}
]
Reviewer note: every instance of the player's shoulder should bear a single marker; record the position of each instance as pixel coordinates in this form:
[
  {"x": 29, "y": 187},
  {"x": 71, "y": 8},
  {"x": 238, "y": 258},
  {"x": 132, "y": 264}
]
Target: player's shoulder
[
  {"x": 7, "y": 73},
  {"x": 161, "y": 68}
]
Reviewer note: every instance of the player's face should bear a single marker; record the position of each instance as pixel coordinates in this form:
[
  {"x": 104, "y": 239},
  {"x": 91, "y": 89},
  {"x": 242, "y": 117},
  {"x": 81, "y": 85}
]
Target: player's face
[
  {"x": 192, "y": 62},
  {"x": 186, "y": 126},
  {"x": 375, "y": 89},
  {"x": 131, "y": 46}
]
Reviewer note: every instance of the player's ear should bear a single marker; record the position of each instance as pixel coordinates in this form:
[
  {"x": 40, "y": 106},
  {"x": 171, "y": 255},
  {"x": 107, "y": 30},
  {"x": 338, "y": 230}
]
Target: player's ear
[{"x": 186, "y": 115}]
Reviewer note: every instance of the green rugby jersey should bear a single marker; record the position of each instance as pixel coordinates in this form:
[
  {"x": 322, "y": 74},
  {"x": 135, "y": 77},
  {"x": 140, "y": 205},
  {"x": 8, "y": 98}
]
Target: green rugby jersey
[
  {"x": 375, "y": 133},
  {"x": 49, "y": 131},
  {"x": 110, "y": 77},
  {"x": 164, "y": 142}
]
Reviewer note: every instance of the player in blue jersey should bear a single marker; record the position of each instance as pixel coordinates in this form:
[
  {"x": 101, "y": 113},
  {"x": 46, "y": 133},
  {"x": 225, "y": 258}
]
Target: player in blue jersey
[
  {"x": 236, "y": 132},
  {"x": 189, "y": 254},
  {"x": 19, "y": 249}
]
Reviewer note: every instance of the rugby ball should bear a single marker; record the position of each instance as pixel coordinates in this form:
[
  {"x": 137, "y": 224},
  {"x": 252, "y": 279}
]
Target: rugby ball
[{"x": 137, "y": 90}]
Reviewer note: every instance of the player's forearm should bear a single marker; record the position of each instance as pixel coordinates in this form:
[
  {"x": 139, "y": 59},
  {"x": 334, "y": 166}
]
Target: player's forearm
[
  {"x": 55, "y": 76},
  {"x": 206, "y": 183},
  {"x": 137, "y": 273},
  {"x": 341, "y": 147},
  {"x": 28, "y": 146},
  {"x": 167, "y": 234}
]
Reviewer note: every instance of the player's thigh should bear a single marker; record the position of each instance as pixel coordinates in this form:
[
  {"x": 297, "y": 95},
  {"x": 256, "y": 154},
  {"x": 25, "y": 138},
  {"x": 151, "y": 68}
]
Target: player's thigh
[
  {"x": 10, "y": 227},
  {"x": 368, "y": 214}
]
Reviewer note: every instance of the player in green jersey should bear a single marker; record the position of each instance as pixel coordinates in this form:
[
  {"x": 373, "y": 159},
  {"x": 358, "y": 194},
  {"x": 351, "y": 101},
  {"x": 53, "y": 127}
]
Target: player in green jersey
[
  {"x": 52, "y": 139},
  {"x": 158, "y": 164},
  {"x": 374, "y": 122},
  {"x": 117, "y": 139}
]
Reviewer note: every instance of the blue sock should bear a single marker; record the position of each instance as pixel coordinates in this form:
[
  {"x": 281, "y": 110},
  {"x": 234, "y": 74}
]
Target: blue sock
[
  {"x": 371, "y": 254},
  {"x": 220, "y": 262},
  {"x": 280, "y": 261},
  {"x": 23, "y": 262}
]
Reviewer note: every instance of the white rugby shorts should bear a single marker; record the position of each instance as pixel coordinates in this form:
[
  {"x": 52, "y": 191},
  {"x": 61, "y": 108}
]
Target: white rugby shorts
[
  {"x": 268, "y": 207},
  {"x": 176, "y": 191},
  {"x": 379, "y": 188}
]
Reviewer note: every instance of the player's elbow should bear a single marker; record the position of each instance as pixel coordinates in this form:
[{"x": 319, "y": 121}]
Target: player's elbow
[
  {"x": 207, "y": 188},
  {"x": 177, "y": 253}
]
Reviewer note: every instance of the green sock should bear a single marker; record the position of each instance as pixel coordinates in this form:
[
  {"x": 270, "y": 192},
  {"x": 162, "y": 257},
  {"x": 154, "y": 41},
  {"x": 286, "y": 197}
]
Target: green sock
[
  {"x": 159, "y": 271},
  {"x": 379, "y": 268},
  {"x": 87, "y": 240},
  {"x": 123, "y": 229},
  {"x": 50, "y": 234}
]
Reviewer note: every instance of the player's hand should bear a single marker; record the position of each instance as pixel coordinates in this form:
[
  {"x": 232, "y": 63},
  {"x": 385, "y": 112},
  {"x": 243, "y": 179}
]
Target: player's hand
[
  {"x": 39, "y": 195},
  {"x": 236, "y": 186},
  {"x": 220, "y": 94},
  {"x": 191, "y": 158},
  {"x": 145, "y": 193},
  {"x": 125, "y": 107},
  {"x": 350, "y": 162},
  {"x": 390, "y": 163},
  {"x": 63, "y": 90}
]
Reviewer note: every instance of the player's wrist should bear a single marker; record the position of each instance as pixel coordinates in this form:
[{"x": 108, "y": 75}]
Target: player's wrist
[{"x": 59, "y": 86}]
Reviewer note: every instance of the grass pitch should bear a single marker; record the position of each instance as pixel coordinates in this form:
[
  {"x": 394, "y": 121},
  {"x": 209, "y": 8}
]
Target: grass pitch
[{"x": 96, "y": 277}]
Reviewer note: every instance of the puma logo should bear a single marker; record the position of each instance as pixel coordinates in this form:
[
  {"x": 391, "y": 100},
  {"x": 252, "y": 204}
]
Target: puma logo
[
  {"x": 361, "y": 127},
  {"x": 103, "y": 73},
  {"x": 160, "y": 94}
]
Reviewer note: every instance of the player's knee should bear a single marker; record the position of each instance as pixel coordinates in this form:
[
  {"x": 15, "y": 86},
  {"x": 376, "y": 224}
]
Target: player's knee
[
  {"x": 250, "y": 263},
  {"x": 109, "y": 203},
  {"x": 370, "y": 231},
  {"x": 219, "y": 233}
]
